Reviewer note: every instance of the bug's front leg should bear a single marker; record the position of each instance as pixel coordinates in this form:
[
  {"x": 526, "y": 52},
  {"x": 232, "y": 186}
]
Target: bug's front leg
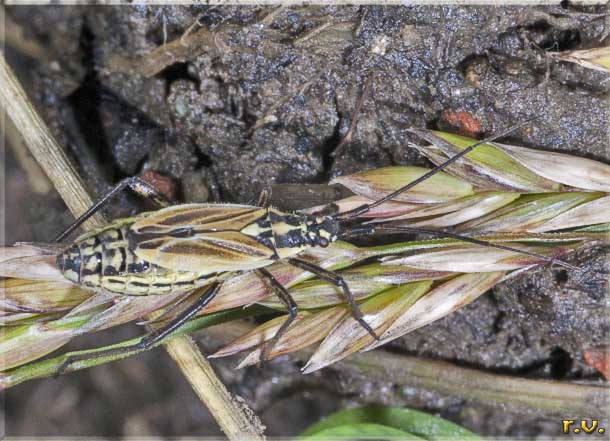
[
  {"x": 138, "y": 185},
  {"x": 283, "y": 294},
  {"x": 152, "y": 339},
  {"x": 338, "y": 281}
]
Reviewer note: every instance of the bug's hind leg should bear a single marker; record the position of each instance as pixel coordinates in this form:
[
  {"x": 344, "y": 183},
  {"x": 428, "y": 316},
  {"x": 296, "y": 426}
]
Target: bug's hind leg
[
  {"x": 338, "y": 281},
  {"x": 283, "y": 294},
  {"x": 138, "y": 185},
  {"x": 152, "y": 339}
]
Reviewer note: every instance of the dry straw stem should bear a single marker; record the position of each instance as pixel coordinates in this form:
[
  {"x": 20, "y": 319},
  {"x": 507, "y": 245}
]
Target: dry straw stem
[
  {"x": 542, "y": 398},
  {"x": 39, "y": 182},
  {"x": 233, "y": 417}
]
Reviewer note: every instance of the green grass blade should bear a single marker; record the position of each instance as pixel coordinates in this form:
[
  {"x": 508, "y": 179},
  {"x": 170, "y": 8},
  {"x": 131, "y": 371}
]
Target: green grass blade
[
  {"x": 409, "y": 421},
  {"x": 363, "y": 431}
]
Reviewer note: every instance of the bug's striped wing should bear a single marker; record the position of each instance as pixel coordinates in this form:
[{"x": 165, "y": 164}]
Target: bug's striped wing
[{"x": 203, "y": 237}]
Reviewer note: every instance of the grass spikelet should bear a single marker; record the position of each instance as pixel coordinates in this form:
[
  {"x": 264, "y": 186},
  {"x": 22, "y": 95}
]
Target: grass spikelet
[
  {"x": 498, "y": 193},
  {"x": 380, "y": 312},
  {"x": 597, "y": 58},
  {"x": 374, "y": 184},
  {"x": 486, "y": 166}
]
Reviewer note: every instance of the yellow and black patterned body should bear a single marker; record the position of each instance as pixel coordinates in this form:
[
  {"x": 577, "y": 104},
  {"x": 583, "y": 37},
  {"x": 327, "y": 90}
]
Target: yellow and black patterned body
[
  {"x": 185, "y": 246},
  {"x": 102, "y": 259}
]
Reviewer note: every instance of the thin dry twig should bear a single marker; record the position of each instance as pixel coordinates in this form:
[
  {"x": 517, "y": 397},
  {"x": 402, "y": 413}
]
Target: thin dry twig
[
  {"x": 37, "y": 179},
  {"x": 231, "y": 415},
  {"x": 184, "y": 48},
  {"x": 43, "y": 146},
  {"x": 178, "y": 50},
  {"x": 189, "y": 30},
  {"x": 352, "y": 127},
  {"x": 310, "y": 34}
]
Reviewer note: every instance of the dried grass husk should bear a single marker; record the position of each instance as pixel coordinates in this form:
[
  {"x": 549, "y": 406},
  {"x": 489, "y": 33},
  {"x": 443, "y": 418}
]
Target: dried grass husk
[
  {"x": 348, "y": 336},
  {"x": 377, "y": 183},
  {"x": 487, "y": 166},
  {"x": 596, "y": 58}
]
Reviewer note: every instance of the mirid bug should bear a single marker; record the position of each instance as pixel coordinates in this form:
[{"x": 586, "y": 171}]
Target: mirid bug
[{"x": 189, "y": 247}]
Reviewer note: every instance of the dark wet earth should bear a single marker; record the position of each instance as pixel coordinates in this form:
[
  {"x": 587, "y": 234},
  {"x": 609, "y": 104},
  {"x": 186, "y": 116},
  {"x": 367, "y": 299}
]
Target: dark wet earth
[{"x": 253, "y": 96}]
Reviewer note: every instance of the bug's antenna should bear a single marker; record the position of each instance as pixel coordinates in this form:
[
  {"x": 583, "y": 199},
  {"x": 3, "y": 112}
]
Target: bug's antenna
[
  {"x": 136, "y": 183},
  {"x": 362, "y": 230},
  {"x": 355, "y": 212}
]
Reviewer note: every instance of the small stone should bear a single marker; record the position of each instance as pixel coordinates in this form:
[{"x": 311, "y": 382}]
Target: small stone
[
  {"x": 380, "y": 45},
  {"x": 194, "y": 187},
  {"x": 163, "y": 184}
]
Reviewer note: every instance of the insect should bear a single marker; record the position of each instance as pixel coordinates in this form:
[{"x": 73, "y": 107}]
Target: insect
[{"x": 187, "y": 247}]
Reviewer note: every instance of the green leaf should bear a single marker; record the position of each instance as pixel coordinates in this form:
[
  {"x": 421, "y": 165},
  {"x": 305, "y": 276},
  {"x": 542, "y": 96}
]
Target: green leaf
[
  {"x": 413, "y": 422},
  {"x": 363, "y": 431}
]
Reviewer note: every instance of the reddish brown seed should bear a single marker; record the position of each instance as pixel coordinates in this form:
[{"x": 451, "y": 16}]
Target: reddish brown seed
[
  {"x": 164, "y": 184},
  {"x": 598, "y": 357},
  {"x": 465, "y": 123}
]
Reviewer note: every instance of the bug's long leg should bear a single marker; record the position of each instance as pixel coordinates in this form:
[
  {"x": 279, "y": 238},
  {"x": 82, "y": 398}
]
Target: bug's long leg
[
  {"x": 153, "y": 338},
  {"x": 264, "y": 199},
  {"x": 141, "y": 187},
  {"x": 337, "y": 280},
  {"x": 283, "y": 294},
  {"x": 363, "y": 230},
  {"x": 355, "y": 212}
]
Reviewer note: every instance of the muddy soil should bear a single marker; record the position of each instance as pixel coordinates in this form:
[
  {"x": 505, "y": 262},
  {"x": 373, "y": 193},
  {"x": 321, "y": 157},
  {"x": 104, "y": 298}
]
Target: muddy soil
[{"x": 242, "y": 98}]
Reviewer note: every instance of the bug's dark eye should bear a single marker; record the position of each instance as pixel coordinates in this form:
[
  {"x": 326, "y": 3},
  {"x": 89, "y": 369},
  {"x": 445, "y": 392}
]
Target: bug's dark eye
[{"x": 323, "y": 242}]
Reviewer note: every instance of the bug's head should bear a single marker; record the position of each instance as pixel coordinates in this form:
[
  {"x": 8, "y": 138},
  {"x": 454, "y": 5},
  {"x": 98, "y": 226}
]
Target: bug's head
[{"x": 322, "y": 230}]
